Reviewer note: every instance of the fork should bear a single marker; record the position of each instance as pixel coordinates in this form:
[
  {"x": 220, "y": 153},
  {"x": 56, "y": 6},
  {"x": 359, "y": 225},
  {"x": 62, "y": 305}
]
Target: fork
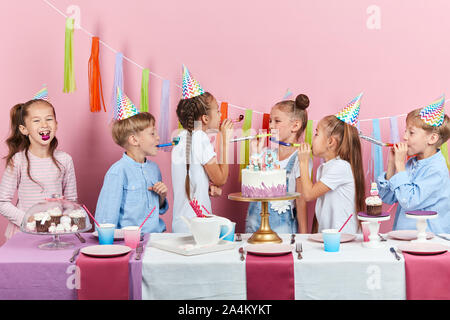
[
  {"x": 238, "y": 237},
  {"x": 75, "y": 253},
  {"x": 381, "y": 237},
  {"x": 293, "y": 238},
  {"x": 82, "y": 240},
  {"x": 299, "y": 250},
  {"x": 241, "y": 251},
  {"x": 139, "y": 251}
]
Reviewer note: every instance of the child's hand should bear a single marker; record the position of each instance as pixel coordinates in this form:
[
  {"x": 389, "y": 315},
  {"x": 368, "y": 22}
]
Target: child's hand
[
  {"x": 400, "y": 153},
  {"x": 214, "y": 191},
  {"x": 226, "y": 129},
  {"x": 160, "y": 188},
  {"x": 304, "y": 152}
]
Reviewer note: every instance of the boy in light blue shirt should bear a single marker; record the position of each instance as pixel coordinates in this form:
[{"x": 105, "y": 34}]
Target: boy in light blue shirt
[
  {"x": 423, "y": 183},
  {"x": 133, "y": 186}
]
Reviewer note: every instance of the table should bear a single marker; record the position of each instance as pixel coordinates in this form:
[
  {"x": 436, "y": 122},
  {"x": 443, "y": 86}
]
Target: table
[
  {"x": 355, "y": 272},
  {"x": 29, "y": 273}
]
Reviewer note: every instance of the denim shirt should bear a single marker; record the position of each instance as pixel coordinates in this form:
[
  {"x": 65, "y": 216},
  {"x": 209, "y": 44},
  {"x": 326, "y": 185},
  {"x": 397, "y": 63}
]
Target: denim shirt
[
  {"x": 125, "y": 199},
  {"x": 425, "y": 186}
]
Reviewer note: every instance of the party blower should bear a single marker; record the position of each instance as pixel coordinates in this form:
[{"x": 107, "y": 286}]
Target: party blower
[
  {"x": 285, "y": 143},
  {"x": 241, "y": 117},
  {"x": 251, "y": 137},
  {"x": 375, "y": 141},
  {"x": 174, "y": 142}
]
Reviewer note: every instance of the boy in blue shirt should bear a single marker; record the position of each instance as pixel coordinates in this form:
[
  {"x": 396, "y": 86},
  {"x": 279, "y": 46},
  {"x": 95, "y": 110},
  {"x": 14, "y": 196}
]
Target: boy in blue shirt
[
  {"x": 133, "y": 186},
  {"x": 423, "y": 183}
]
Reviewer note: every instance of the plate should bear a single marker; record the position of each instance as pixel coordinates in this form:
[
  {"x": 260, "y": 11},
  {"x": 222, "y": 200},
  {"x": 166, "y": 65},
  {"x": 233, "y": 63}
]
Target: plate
[
  {"x": 118, "y": 234},
  {"x": 407, "y": 234},
  {"x": 185, "y": 245},
  {"x": 345, "y": 237},
  {"x": 423, "y": 248},
  {"x": 106, "y": 250},
  {"x": 269, "y": 249}
]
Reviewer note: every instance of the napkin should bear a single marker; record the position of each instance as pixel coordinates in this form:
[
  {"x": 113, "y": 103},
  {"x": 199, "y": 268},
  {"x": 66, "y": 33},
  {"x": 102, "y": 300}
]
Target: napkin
[{"x": 270, "y": 277}]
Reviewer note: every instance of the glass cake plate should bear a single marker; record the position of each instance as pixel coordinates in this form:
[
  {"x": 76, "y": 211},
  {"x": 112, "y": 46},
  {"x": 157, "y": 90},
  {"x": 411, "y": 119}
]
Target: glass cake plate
[{"x": 54, "y": 217}]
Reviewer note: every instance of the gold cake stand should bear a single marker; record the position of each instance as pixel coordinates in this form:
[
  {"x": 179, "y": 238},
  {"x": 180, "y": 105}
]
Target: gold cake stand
[{"x": 264, "y": 234}]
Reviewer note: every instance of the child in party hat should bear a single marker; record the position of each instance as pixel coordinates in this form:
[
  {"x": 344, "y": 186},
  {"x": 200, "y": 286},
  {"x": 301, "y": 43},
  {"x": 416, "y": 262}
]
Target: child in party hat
[
  {"x": 35, "y": 169},
  {"x": 133, "y": 185},
  {"x": 422, "y": 183},
  {"x": 339, "y": 189},
  {"x": 194, "y": 161},
  {"x": 288, "y": 118}
]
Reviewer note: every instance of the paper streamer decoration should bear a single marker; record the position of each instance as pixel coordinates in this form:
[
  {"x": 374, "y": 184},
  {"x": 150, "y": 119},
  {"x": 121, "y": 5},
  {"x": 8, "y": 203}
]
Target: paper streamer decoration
[
  {"x": 223, "y": 111},
  {"x": 164, "y": 114},
  {"x": 144, "y": 90},
  {"x": 245, "y": 145},
  {"x": 394, "y": 130},
  {"x": 308, "y": 138},
  {"x": 444, "y": 151},
  {"x": 265, "y": 125},
  {"x": 377, "y": 152},
  {"x": 95, "y": 80},
  {"x": 118, "y": 81},
  {"x": 69, "y": 75}
]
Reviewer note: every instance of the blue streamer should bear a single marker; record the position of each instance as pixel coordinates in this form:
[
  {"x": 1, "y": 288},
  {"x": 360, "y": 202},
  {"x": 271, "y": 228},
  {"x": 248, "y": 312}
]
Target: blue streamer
[
  {"x": 164, "y": 114},
  {"x": 118, "y": 81},
  {"x": 394, "y": 130},
  {"x": 377, "y": 152}
]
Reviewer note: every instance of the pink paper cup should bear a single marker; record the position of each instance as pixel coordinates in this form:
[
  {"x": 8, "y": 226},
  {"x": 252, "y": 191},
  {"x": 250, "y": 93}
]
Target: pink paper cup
[
  {"x": 365, "y": 230},
  {"x": 132, "y": 235}
]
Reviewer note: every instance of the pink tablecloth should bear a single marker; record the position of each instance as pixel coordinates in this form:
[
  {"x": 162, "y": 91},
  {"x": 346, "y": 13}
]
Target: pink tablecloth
[
  {"x": 270, "y": 277},
  {"x": 427, "y": 277}
]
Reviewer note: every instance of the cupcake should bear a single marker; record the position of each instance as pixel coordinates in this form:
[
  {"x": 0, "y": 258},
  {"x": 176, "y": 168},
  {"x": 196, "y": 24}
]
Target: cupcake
[
  {"x": 78, "y": 218},
  {"x": 42, "y": 221},
  {"x": 52, "y": 228},
  {"x": 55, "y": 215},
  {"x": 31, "y": 226},
  {"x": 373, "y": 203},
  {"x": 66, "y": 220}
]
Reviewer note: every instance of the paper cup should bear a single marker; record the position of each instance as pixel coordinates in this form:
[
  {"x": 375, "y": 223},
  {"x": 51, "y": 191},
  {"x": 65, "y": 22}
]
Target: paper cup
[
  {"x": 331, "y": 240},
  {"x": 224, "y": 230},
  {"x": 132, "y": 235},
  {"x": 106, "y": 233},
  {"x": 365, "y": 230}
]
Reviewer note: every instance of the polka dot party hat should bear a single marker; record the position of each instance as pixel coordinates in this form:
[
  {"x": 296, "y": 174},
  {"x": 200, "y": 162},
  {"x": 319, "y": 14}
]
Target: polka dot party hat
[
  {"x": 350, "y": 113},
  {"x": 433, "y": 114},
  {"x": 190, "y": 87}
]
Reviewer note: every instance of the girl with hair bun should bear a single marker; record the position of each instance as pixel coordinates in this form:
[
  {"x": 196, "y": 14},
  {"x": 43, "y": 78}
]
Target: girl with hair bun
[{"x": 288, "y": 119}]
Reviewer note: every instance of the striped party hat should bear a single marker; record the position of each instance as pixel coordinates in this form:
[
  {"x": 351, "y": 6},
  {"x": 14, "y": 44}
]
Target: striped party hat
[
  {"x": 433, "y": 114},
  {"x": 191, "y": 88},
  {"x": 124, "y": 107},
  {"x": 41, "y": 94},
  {"x": 350, "y": 113}
]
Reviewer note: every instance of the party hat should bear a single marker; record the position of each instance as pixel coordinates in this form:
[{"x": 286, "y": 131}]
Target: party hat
[
  {"x": 433, "y": 114},
  {"x": 350, "y": 113},
  {"x": 124, "y": 107},
  {"x": 41, "y": 94},
  {"x": 191, "y": 88}
]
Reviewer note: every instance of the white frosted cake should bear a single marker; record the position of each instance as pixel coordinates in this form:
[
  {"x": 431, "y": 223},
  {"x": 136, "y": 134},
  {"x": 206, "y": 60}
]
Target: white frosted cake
[{"x": 263, "y": 177}]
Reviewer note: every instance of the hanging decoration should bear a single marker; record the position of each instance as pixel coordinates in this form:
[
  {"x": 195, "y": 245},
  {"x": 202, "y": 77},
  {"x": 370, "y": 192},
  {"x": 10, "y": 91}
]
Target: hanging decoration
[
  {"x": 144, "y": 90},
  {"x": 118, "y": 81},
  {"x": 163, "y": 131},
  {"x": 95, "y": 80},
  {"x": 69, "y": 75}
]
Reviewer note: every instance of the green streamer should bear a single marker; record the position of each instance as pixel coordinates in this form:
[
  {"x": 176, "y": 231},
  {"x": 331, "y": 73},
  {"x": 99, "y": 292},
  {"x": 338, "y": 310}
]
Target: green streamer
[
  {"x": 69, "y": 75},
  {"x": 245, "y": 145},
  {"x": 144, "y": 90},
  {"x": 308, "y": 136},
  {"x": 444, "y": 151}
]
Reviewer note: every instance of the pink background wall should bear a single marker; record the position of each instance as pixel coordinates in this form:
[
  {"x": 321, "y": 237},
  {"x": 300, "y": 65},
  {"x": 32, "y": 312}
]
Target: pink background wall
[{"x": 244, "y": 52}]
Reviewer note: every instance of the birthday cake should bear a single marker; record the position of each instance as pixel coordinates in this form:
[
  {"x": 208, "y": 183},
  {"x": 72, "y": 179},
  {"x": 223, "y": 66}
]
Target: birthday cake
[
  {"x": 263, "y": 177},
  {"x": 373, "y": 203}
]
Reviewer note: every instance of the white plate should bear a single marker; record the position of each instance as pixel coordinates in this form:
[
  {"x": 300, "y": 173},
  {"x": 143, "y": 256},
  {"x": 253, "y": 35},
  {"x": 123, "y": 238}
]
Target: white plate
[
  {"x": 345, "y": 237},
  {"x": 423, "y": 248},
  {"x": 186, "y": 245},
  {"x": 269, "y": 249},
  {"x": 106, "y": 250},
  {"x": 407, "y": 234},
  {"x": 118, "y": 234}
]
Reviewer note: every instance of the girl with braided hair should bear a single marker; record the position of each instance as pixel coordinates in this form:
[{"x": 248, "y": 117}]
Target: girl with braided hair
[{"x": 194, "y": 161}]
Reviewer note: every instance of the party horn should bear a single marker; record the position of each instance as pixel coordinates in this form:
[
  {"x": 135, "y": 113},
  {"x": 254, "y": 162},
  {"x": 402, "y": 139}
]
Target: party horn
[
  {"x": 173, "y": 143},
  {"x": 241, "y": 117},
  {"x": 375, "y": 141},
  {"x": 285, "y": 143},
  {"x": 251, "y": 137}
]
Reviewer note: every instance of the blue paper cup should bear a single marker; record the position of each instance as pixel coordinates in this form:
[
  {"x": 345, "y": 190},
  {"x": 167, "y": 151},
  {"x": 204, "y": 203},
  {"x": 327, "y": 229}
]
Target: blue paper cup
[
  {"x": 106, "y": 233},
  {"x": 331, "y": 240},
  {"x": 224, "y": 230}
]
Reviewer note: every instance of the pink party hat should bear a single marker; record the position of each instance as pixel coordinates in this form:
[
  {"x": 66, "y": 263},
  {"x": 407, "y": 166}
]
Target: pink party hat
[
  {"x": 191, "y": 88},
  {"x": 41, "y": 94},
  {"x": 433, "y": 114},
  {"x": 124, "y": 107},
  {"x": 350, "y": 113}
]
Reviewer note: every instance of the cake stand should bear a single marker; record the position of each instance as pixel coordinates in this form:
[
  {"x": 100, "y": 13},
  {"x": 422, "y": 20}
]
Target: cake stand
[
  {"x": 421, "y": 224},
  {"x": 374, "y": 227},
  {"x": 264, "y": 234}
]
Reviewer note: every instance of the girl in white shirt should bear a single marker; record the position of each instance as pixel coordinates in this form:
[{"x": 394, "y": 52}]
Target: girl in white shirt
[
  {"x": 339, "y": 187},
  {"x": 194, "y": 162}
]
